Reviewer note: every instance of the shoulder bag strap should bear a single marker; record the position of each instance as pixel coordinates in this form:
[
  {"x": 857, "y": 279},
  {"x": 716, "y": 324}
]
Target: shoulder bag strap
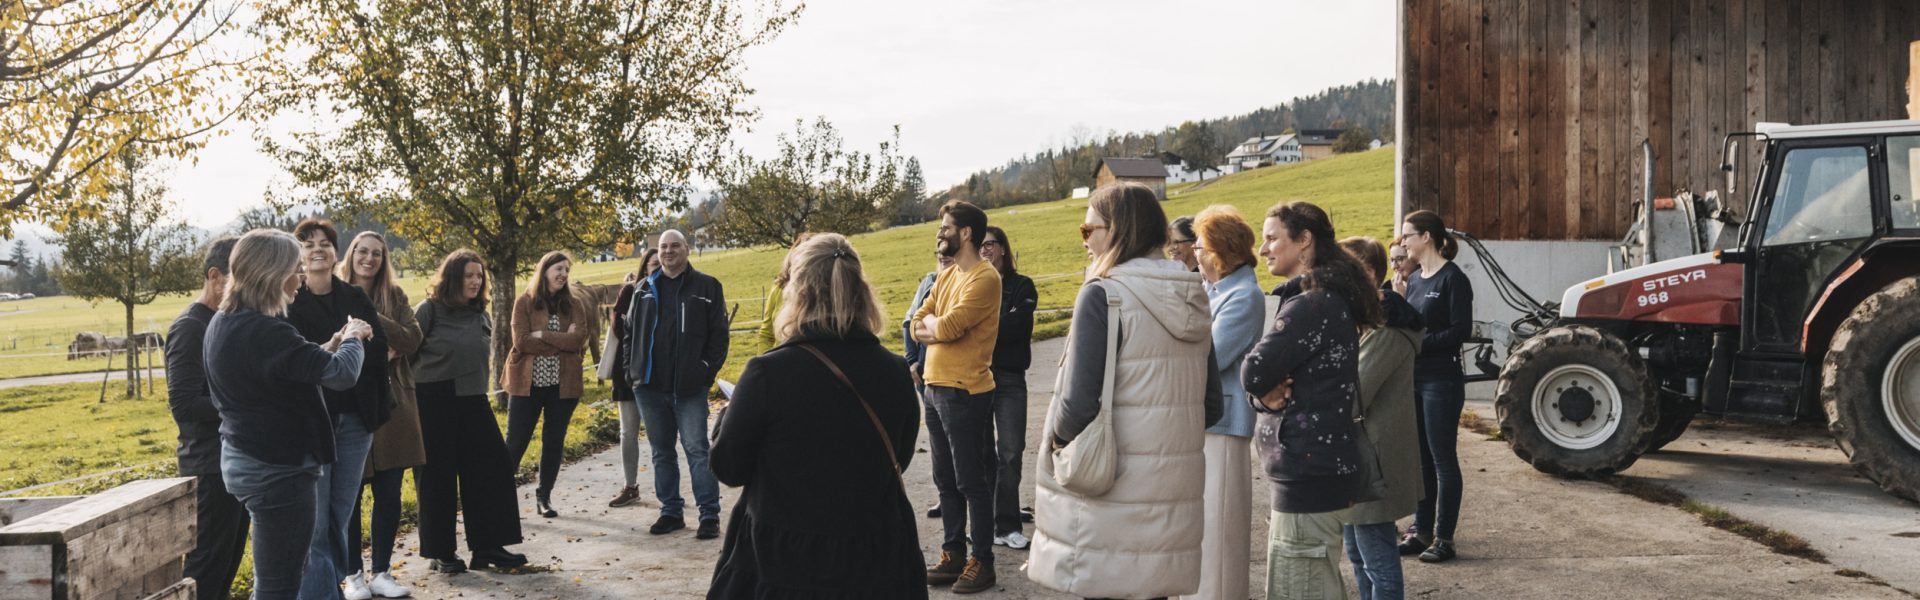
[
  {"x": 871, "y": 416},
  {"x": 1113, "y": 354}
]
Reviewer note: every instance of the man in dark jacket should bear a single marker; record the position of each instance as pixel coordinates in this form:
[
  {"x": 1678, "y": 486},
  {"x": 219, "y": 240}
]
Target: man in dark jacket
[
  {"x": 221, "y": 532},
  {"x": 679, "y": 342}
]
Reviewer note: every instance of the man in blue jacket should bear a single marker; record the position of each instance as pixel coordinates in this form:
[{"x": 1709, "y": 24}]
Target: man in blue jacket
[{"x": 679, "y": 338}]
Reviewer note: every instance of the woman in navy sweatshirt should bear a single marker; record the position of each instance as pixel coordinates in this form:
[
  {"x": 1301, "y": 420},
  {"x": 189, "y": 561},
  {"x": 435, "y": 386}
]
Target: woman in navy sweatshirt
[{"x": 1444, "y": 297}]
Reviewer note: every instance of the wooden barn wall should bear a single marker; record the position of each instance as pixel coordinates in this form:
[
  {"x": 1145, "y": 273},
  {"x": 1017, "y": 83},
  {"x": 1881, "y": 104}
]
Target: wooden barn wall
[{"x": 1523, "y": 118}]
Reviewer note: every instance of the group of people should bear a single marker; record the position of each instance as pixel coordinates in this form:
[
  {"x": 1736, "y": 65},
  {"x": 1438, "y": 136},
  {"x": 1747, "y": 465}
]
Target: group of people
[
  {"x": 298, "y": 378},
  {"x": 1348, "y": 403}
]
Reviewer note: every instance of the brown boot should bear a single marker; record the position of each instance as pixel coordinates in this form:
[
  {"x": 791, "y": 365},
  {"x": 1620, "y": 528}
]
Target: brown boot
[
  {"x": 627, "y": 496},
  {"x": 977, "y": 577},
  {"x": 946, "y": 572}
]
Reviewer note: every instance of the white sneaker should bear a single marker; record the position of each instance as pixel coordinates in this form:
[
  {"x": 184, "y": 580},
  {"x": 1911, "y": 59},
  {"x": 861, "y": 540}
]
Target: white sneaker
[
  {"x": 1012, "y": 540},
  {"x": 357, "y": 587},
  {"x": 385, "y": 587}
]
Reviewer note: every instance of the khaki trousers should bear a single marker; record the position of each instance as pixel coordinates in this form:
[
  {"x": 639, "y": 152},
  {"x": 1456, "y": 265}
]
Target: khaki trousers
[
  {"x": 1225, "y": 543},
  {"x": 1303, "y": 556}
]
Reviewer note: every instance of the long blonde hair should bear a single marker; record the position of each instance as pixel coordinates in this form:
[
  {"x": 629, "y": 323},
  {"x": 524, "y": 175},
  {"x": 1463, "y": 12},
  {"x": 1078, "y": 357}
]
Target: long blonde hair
[
  {"x": 1136, "y": 225},
  {"x": 827, "y": 292},
  {"x": 262, "y": 261},
  {"x": 382, "y": 288}
]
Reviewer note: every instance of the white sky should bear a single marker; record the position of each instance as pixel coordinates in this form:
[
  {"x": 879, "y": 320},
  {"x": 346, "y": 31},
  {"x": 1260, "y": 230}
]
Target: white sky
[{"x": 973, "y": 83}]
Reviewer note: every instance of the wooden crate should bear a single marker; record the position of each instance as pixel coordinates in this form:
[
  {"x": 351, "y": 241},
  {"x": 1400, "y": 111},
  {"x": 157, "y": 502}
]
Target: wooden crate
[{"x": 124, "y": 544}]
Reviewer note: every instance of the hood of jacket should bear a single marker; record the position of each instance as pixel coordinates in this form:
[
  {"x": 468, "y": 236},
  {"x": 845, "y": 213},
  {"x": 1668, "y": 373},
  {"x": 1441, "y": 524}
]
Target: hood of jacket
[{"x": 1175, "y": 297}]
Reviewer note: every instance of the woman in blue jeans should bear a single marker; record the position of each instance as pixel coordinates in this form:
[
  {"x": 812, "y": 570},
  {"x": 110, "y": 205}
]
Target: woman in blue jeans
[
  {"x": 1439, "y": 290},
  {"x": 275, "y": 434},
  {"x": 1386, "y": 407}
]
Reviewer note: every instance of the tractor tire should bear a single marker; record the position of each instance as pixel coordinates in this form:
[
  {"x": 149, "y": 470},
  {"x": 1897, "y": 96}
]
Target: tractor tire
[
  {"x": 1871, "y": 388},
  {"x": 1676, "y": 413},
  {"x": 1577, "y": 401}
]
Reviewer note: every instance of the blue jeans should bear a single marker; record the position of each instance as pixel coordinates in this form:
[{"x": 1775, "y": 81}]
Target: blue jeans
[
  {"x": 279, "y": 499},
  {"x": 335, "y": 495},
  {"x": 668, "y": 417},
  {"x": 1010, "y": 443},
  {"x": 1438, "y": 410},
  {"x": 385, "y": 521},
  {"x": 1374, "y": 550}
]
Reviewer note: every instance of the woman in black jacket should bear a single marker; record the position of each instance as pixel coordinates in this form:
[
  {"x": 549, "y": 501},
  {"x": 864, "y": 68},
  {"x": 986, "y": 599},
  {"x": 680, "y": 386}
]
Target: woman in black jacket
[
  {"x": 1303, "y": 379},
  {"x": 323, "y": 305},
  {"x": 276, "y": 439},
  {"x": 1012, "y": 354},
  {"x": 1440, "y": 291},
  {"x": 824, "y": 514}
]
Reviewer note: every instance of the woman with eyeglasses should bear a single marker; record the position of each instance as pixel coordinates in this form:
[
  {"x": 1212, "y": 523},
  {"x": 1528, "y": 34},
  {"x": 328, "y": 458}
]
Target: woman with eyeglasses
[
  {"x": 1180, "y": 240},
  {"x": 1224, "y": 251},
  {"x": 1012, "y": 354},
  {"x": 1440, "y": 291}
]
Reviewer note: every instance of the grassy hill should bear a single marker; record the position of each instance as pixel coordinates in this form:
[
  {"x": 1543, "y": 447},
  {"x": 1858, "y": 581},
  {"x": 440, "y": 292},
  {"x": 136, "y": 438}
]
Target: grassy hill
[{"x": 1356, "y": 189}]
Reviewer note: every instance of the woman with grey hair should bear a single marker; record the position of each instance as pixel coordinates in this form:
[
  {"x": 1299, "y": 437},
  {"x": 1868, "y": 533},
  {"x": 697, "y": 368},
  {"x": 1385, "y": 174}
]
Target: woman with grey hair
[{"x": 265, "y": 379}]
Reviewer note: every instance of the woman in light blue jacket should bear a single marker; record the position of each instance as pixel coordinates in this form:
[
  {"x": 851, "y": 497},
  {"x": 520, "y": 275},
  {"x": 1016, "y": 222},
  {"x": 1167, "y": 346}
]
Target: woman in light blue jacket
[{"x": 1223, "y": 246}]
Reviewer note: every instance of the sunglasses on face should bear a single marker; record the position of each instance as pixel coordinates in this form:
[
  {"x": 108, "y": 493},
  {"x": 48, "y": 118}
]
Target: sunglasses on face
[{"x": 1086, "y": 231}]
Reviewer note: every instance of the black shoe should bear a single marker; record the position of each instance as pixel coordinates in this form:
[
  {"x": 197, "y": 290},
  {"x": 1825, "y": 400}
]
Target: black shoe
[
  {"x": 1026, "y": 514},
  {"x": 933, "y": 512},
  {"x": 449, "y": 566},
  {"x": 708, "y": 530},
  {"x": 1441, "y": 551},
  {"x": 497, "y": 558},
  {"x": 1414, "y": 543},
  {"x": 544, "y": 506},
  {"x": 667, "y": 525}
]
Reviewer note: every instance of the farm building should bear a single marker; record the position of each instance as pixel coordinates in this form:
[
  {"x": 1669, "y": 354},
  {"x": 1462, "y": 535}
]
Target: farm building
[
  {"x": 1316, "y": 144},
  {"x": 1265, "y": 150},
  {"x": 1521, "y": 122},
  {"x": 1146, "y": 171}
]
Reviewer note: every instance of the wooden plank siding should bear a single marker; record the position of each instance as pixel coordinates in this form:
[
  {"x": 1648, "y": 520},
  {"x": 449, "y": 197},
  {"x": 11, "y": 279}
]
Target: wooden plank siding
[{"x": 1524, "y": 118}]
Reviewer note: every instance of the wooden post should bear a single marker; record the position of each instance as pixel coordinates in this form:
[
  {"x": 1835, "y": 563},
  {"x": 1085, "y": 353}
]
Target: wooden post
[{"x": 1913, "y": 80}]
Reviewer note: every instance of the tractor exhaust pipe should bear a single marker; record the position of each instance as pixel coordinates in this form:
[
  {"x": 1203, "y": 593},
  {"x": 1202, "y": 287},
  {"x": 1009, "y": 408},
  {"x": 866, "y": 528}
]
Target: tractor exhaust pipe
[{"x": 1646, "y": 201}]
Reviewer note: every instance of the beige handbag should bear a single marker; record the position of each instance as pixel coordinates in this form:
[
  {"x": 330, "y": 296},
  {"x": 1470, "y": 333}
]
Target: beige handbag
[{"x": 1088, "y": 465}]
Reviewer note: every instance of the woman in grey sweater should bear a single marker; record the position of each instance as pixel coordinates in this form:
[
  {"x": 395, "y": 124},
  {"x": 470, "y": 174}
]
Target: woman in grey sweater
[{"x": 467, "y": 465}]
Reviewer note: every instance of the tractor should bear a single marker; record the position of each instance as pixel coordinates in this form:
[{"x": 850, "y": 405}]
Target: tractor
[{"x": 1806, "y": 309}]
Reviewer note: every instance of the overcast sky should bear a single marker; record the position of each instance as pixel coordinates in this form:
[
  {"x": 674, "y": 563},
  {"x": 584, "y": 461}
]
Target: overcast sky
[{"x": 973, "y": 83}]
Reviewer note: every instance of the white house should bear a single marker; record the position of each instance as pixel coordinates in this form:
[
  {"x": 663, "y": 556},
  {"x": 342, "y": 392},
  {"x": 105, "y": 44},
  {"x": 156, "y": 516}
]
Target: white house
[
  {"x": 1261, "y": 151},
  {"x": 1181, "y": 170}
]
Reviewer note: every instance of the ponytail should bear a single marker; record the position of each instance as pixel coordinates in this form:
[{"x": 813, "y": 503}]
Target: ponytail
[{"x": 1429, "y": 222}]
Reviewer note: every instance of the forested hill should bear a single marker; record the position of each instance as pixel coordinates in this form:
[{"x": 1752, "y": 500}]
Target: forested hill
[{"x": 1051, "y": 173}]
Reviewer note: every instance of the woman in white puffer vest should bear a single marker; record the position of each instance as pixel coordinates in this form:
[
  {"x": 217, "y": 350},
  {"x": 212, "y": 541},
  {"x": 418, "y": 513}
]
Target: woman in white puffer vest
[{"x": 1141, "y": 537}]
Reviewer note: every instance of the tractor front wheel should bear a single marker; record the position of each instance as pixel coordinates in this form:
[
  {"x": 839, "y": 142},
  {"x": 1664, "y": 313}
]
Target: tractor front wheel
[
  {"x": 1871, "y": 388},
  {"x": 1576, "y": 400}
]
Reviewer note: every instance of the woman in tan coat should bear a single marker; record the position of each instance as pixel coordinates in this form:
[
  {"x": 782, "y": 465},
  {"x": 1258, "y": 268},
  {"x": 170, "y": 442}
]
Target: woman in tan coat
[
  {"x": 396, "y": 444},
  {"x": 1141, "y": 537},
  {"x": 543, "y": 377}
]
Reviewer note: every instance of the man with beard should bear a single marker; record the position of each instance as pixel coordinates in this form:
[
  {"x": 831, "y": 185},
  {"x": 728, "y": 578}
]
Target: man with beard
[{"x": 959, "y": 324}]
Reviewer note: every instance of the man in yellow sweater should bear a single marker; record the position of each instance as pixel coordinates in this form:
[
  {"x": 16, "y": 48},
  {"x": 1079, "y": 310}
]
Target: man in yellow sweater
[{"x": 959, "y": 323}]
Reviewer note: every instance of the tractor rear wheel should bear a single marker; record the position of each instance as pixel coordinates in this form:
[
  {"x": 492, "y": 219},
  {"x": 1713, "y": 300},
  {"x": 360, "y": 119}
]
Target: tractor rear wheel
[
  {"x": 1871, "y": 388},
  {"x": 1576, "y": 400}
]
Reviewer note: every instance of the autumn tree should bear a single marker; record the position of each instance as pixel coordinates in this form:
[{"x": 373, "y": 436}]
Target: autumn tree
[
  {"x": 513, "y": 126},
  {"x": 1353, "y": 139},
  {"x": 813, "y": 184},
  {"x": 132, "y": 250},
  {"x": 1199, "y": 144},
  {"x": 81, "y": 81}
]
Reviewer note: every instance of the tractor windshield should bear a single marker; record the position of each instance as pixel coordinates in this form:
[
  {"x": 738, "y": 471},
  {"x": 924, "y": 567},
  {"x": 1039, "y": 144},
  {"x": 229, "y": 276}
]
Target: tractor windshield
[{"x": 1823, "y": 194}]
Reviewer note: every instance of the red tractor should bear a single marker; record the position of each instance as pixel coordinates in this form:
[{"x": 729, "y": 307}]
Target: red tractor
[{"x": 1810, "y": 312}]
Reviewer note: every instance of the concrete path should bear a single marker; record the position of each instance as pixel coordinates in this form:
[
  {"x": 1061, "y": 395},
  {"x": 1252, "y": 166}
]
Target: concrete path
[
  {"x": 1788, "y": 478},
  {"x": 1523, "y": 535}
]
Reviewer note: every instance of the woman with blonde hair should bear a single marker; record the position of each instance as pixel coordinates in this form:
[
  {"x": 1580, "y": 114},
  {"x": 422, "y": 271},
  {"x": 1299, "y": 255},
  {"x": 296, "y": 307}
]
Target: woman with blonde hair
[
  {"x": 1223, "y": 251},
  {"x": 1154, "y": 378},
  {"x": 266, "y": 380},
  {"x": 829, "y": 409},
  {"x": 396, "y": 445}
]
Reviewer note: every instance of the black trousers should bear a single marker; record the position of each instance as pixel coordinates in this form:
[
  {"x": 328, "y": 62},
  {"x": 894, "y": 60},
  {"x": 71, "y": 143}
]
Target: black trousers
[
  {"x": 467, "y": 467},
  {"x": 523, "y": 412},
  {"x": 220, "y": 538},
  {"x": 960, "y": 437}
]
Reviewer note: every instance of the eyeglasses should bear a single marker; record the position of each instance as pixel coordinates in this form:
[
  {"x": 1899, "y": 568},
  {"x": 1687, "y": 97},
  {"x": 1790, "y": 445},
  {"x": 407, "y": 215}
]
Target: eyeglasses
[
  {"x": 1086, "y": 231},
  {"x": 989, "y": 244},
  {"x": 1395, "y": 259},
  {"x": 1173, "y": 242}
]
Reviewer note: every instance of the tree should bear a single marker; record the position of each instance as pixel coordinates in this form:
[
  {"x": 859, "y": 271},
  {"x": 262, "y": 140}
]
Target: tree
[
  {"x": 81, "y": 81},
  {"x": 22, "y": 266},
  {"x": 512, "y": 126},
  {"x": 1199, "y": 144},
  {"x": 1354, "y": 139},
  {"x": 812, "y": 185},
  {"x": 131, "y": 252},
  {"x": 910, "y": 196},
  {"x": 43, "y": 283}
]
